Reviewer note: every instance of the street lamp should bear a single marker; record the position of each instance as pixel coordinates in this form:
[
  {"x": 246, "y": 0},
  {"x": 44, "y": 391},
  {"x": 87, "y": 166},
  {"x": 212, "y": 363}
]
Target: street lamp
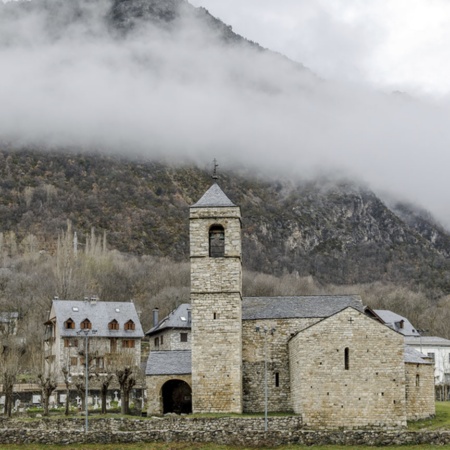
[
  {"x": 86, "y": 333},
  {"x": 265, "y": 330}
]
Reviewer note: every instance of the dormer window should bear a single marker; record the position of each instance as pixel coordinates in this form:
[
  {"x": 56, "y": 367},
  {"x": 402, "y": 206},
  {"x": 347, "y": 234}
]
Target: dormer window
[
  {"x": 69, "y": 324},
  {"x": 113, "y": 325},
  {"x": 216, "y": 241},
  {"x": 129, "y": 326},
  {"x": 86, "y": 324}
]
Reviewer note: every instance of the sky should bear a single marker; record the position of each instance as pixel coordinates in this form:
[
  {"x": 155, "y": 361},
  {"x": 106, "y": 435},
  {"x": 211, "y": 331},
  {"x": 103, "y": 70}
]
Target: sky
[
  {"x": 184, "y": 94},
  {"x": 388, "y": 44}
]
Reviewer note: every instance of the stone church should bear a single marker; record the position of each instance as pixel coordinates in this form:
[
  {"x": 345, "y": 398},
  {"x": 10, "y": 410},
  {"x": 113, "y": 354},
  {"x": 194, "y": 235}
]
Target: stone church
[{"x": 325, "y": 358}]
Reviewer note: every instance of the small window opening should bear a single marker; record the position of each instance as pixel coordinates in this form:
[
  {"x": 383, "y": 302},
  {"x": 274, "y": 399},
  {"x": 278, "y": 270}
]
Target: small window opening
[
  {"x": 156, "y": 342},
  {"x": 86, "y": 324},
  {"x": 128, "y": 343},
  {"x": 277, "y": 379},
  {"x": 113, "y": 325},
  {"x": 161, "y": 340},
  {"x": 130, "y": 325},
  {"x": 347, "y": 358},
  {"x": 216, "y": 241},
  {"x": 417, "y": 380},
  {"x": 183, "y": 337},
  {"x": 69, "y": 324},
  {"x": 215, "y": 315}
]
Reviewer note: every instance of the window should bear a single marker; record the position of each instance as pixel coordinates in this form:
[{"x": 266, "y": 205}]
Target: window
[
  {"x": 156, "y": 342},
  {"x": 215, "y": 316},
  {"x": 161, "y": 340},
  {"x": 347, "y": 358},
  {"x": 86, "y": 324},
  {"x": 99, "y": 362},
  {"x": 130, "y": 325},
  {"x": 431, "y": 355},
  {"x": 183, "y": 337},
  {"x": 216, "y": 241},
  {"x": 128, "y": 343},
  {"x": 417, "y": 380},
  {"x": 113, "y": 345},
  {"x": 74, "y": 361},
  {"x": 69, "y": 324},
  {"x": 277, "y": 379},
  {"x": 70, "y": 342},
  {"x": 113, "y": 325}
]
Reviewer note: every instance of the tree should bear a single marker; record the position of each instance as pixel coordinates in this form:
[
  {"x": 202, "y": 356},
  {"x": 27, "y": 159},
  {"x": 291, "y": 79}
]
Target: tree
[
  {"x": 48, "y": 385},
  {"x": 127, "y": 381},
  {"x": 67, "y": 380},
  {"x": 11, "y": 359}
]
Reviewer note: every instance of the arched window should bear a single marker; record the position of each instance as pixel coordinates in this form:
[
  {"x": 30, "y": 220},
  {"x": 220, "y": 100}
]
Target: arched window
[
  {"x": 130, "y": 325},
  {"x": 86, "y": 324},
  {"x": 113, "y": 325},
  {"x": 216, "y": 241},
  {"x": 69, "y": 324},
  {"x": 347, "y": 358}
]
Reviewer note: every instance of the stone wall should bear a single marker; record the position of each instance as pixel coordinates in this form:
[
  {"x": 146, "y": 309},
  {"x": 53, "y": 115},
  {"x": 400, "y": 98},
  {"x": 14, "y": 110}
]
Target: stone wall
[
  {"x": 224, "y": 431},
  {"x": 279, "y": 397},
  {"x": 171, "y": 340},
  {"x": 154, "y": 390},
  {"x": 419, "y": 391},
  {"x": 216, "y": 300},
  {"x": 348, "y": 371}
]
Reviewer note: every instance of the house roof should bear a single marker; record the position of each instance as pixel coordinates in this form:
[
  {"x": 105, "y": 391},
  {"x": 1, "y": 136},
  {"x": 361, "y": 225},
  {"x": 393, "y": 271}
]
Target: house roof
[
  {"x": 397, "y": 322},
  {"x": 427, "y": 341},
  {"x": 178, "y": 318},
  {"x": 172, "y": 362},
  {"x": 213, "y": 197},
  {"x": 100, "y": 314},
  {"x": 310, "y": 306},
  {"x": 414, "y": 356}
]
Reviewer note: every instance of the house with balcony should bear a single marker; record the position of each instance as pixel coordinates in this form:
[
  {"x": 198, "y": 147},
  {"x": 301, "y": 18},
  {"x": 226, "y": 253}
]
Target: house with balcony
[{"x": 111, "y": 333}]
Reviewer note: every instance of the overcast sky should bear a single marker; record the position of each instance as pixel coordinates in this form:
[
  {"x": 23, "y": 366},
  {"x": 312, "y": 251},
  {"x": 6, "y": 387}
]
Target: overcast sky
[
  {"x": 186, "y": 94},
  {"x": 390, "y": 44}
]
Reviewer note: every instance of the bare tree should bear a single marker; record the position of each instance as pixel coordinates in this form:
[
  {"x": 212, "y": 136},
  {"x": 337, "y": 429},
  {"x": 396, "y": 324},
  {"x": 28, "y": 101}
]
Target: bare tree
[
  {"x": 48, "y": 385},
  {"x": 127, "y": 381}
]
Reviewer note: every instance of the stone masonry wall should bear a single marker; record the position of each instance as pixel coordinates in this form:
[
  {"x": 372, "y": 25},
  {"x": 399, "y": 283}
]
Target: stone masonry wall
[
  {"x": 279, "y": 397},
  {"x": 171, "y": 340},
  {"x": 242, "y": 432},
  {"x": 368, "y": 391},
  {"x": 419, "y": 391},
  {"x": 154, "y": 390},
  {"x": 216, "y": 301}
]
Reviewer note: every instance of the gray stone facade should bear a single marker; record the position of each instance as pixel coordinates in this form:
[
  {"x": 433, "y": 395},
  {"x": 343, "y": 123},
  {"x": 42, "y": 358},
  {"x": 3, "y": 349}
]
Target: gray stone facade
[
  {"x": 339, "y": 378},
  {"x": 216, "y": 301}
]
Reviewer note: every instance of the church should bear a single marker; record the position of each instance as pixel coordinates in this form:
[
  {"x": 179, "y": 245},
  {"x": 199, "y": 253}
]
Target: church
[{"x": 328, "y": 359}]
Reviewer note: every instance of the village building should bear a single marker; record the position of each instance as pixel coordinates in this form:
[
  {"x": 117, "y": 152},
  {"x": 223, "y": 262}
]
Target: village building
[
  {"x": 321, "y": 357},
  {"x": 111, "y": 331}
]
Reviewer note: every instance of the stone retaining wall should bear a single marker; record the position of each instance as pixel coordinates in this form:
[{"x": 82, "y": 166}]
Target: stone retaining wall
[{"x": 231, "y": 431}]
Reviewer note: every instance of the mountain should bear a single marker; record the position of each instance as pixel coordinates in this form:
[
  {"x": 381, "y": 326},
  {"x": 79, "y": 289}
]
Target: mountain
[{"x": 335, "y": 230}]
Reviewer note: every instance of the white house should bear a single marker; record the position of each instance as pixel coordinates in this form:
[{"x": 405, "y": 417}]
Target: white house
[{"x": 111, "y": 330}]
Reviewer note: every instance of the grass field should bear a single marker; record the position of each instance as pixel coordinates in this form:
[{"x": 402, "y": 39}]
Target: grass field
[{"x": 440, "y": 422}]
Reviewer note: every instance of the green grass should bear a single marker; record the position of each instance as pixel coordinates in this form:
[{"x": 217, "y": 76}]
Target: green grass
[{"x": 440, "y": 422}]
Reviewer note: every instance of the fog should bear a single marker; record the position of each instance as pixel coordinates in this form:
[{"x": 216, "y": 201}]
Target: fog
[{"x": 182, "y": 93}]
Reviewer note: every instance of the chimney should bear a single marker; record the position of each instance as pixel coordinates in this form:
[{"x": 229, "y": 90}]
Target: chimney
[{"x": 155, "y": 317}]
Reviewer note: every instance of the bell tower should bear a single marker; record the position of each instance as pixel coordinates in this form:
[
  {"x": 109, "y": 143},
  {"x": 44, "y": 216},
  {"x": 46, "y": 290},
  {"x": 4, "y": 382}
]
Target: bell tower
[{"x": 216, "y": 302}]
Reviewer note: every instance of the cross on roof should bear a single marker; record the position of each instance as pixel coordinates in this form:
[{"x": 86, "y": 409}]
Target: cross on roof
[{"x": 214, "y": 175}]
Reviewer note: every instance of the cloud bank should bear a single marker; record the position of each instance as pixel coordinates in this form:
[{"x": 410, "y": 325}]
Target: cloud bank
[{"x": 179, "y": 91}]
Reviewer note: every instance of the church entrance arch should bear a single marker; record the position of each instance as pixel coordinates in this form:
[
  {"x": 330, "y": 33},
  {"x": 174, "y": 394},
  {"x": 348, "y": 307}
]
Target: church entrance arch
[{"x": 177, "y": 397}]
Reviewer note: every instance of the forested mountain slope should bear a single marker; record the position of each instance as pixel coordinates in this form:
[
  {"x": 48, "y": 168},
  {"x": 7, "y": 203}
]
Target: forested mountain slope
[{"x": 334, "y": 230}]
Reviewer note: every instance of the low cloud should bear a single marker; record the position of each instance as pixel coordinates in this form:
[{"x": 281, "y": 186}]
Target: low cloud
[{"x": 182, "y": 93}]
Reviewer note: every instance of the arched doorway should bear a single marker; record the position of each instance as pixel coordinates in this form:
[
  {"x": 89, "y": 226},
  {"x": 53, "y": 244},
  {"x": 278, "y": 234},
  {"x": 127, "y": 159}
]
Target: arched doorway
[{"x": 177, "y": 397}]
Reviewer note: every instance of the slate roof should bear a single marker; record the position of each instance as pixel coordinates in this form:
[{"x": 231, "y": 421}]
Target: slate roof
[
  {"x": 174, "y": 362},
  {"x": 178, "y": 318},
  {"x": 415, "y": 357},
  {"x": 213, "y": 197},
  {"x": 311, "y": 306},
  {"x": 428, "y": 341},
  {"x": 100, "y": 314},
  {"x": 392, "y": 320}
]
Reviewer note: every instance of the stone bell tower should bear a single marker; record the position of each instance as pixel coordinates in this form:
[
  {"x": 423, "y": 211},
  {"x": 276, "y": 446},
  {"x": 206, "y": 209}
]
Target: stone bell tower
[{"x": 216, "y": 302}]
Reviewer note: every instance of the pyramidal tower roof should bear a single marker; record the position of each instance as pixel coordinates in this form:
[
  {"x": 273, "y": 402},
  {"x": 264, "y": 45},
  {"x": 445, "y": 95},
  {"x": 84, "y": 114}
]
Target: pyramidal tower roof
[{"x": 213, "y": 197}]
